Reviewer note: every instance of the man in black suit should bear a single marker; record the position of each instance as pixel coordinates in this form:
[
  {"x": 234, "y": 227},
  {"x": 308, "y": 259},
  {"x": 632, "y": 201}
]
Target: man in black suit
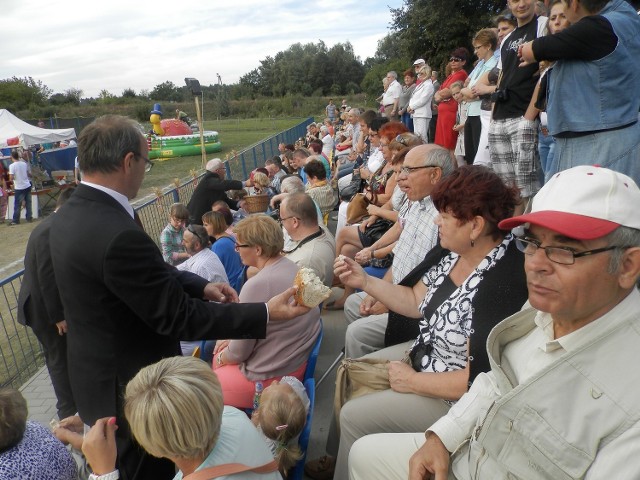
[
  {"x": 211, "y": 188},
  {"x": 40, "y": 308},
  {"x": 125, "y": 307}
]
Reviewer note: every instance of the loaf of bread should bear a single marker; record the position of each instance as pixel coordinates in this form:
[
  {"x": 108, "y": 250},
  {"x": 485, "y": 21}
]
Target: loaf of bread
[{"x": 311, "y": 291}]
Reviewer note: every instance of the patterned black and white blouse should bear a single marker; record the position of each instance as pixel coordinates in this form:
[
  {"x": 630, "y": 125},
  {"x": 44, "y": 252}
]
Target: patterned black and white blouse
[{"x": 446, "y": 328}]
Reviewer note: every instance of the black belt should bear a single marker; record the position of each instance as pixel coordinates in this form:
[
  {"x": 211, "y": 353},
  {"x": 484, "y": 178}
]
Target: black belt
[{"x": 591, "y": 132}]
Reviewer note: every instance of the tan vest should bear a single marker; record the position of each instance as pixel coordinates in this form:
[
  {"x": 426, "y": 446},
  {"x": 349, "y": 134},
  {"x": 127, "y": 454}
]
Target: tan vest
[{"x": 552, "y": 426}]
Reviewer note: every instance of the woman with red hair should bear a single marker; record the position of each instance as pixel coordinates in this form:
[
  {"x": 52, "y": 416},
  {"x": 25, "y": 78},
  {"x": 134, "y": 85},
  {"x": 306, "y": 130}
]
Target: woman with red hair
[
  {"x": 446, "y": 136},
  {"x": 478, "y": 281}
]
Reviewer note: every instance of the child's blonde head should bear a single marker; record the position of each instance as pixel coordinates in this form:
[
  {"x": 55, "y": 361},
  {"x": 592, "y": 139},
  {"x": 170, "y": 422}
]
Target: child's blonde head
[{"x": 282, "y": 416}]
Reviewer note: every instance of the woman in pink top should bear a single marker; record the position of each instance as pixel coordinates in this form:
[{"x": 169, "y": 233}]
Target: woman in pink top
[{"x": 241, "y": 363}]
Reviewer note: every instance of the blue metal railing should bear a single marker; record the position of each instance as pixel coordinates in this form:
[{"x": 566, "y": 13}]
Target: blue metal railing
[{"x": 20, "y": 353}]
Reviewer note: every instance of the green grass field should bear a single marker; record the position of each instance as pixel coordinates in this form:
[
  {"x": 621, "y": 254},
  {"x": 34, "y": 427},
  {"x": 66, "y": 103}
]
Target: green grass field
[{"x": 235, "y": 134}]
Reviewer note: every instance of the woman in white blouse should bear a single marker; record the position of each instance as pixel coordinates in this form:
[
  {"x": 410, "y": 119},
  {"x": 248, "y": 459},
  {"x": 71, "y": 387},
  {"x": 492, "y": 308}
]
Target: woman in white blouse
[{"x": 420, "y": 103}]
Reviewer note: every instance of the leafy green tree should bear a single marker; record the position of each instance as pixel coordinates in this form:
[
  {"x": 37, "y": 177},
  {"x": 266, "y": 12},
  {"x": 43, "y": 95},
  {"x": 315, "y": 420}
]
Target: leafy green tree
[
  {"x": 22, "y": 93},
  {"x": 73, "y": 95},
  {"x": 166, "y": 91},
  {"x": 372, "y": 82},
  {"x": 431, "y": 29},
  {"x": 129, "y": 93}
]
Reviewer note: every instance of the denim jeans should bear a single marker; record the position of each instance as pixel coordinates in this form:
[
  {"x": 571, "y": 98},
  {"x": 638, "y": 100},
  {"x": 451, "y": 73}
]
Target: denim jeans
[
  {"x": 19, "y": 196},
  {"x": 617, "y": 150},
  {"x": 546, "y": 149}
]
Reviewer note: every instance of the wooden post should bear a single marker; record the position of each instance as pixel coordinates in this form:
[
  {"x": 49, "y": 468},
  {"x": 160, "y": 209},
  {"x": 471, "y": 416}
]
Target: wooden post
[{"x": 201, "y": 125}]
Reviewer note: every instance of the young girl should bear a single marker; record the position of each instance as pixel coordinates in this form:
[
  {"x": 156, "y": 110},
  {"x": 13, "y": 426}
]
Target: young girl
[
  {"x": 280, "y": 417},
  {"x": 461, "y": 118}
]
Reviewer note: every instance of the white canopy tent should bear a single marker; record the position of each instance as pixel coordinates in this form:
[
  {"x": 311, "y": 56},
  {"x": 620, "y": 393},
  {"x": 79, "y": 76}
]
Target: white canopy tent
[{"x": 14, "y": 132}]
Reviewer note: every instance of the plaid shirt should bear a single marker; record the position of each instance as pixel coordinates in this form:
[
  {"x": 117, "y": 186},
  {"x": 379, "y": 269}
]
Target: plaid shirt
[
  {"x": 171, "y": 244},
  {"x": 419, "y": 235}
]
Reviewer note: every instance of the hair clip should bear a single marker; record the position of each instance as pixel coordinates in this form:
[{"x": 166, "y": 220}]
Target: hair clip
[{"x": 279, "y": 428}]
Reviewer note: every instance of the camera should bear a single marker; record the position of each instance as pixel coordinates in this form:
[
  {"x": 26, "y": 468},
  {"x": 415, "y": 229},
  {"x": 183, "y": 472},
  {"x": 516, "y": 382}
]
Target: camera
[{"x": 500, "y": 96}]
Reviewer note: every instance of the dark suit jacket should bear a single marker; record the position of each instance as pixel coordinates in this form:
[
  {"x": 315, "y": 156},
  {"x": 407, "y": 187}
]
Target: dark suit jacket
[
  {"x": 211, "y": 188},
  {"x": 126, "y": 308},
  {"x": 39, "y": 304}
]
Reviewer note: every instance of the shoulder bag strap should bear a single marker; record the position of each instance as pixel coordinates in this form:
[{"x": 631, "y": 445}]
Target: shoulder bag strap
[{"x": 231, "y": 469}]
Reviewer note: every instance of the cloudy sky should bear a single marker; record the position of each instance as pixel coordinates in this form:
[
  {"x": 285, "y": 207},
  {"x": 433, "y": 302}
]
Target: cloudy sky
[{"x": 118, "y": 44}]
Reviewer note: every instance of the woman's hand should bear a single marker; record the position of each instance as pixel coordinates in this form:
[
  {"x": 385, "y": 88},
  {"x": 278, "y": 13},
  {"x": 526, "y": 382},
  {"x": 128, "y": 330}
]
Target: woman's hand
[
  {"x": 220, "y": 345},
  {"x": 367, "y": 222},
  {"x": 350, "y": 273},
  {"x": 373, "y": 210},
  {"x": 364, "y": 256},
  {"x": 482, "y": 89},
  {"x": 99, "y": 446},
  {"x": 401, "y": 376}
]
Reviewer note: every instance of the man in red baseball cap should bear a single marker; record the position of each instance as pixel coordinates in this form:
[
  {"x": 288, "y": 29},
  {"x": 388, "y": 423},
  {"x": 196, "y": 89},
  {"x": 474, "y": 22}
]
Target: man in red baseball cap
[{"x": 561, "y": 399}]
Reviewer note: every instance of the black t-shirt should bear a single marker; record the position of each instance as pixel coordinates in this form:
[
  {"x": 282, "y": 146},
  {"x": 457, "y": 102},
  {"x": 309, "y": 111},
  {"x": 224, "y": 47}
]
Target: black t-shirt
[{"x": 517, "y": 81}]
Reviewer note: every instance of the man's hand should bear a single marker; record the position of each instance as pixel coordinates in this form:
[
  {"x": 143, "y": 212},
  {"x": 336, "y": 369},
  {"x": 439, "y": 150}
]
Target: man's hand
[
  {"x": 220, "y": 292},
  {"x": 525, "y": 52},
  {"x": 282, "y": 308},
  {"x": 99, "y": 446},
  {"x": 62, "y": 327},
  {"x": 430, "y": 461}
]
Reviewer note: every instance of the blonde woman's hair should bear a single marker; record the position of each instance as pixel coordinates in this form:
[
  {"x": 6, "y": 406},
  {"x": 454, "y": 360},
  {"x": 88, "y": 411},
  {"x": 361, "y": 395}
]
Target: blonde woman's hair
[
  {"x": 174, "y": 408},
  {"x": 216, "y": 220},
  {"x": 283, "y": 411},
  {"x": 262, "y": 231},
  {"x": 425, "y": 70},
  {"x": 261, "y": 180}
]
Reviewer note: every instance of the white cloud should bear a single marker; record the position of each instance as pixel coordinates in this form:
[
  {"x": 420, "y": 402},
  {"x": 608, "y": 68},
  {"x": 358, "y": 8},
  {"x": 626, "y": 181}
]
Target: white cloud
[{"x": 127, "y": 44}]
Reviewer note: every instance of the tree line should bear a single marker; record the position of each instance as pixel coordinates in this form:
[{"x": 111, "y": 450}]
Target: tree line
[{"x": 428, "y": 29}]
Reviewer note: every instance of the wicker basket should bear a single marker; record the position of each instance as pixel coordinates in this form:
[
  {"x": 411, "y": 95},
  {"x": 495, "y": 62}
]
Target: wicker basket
[{"x": 256, "y": 203}]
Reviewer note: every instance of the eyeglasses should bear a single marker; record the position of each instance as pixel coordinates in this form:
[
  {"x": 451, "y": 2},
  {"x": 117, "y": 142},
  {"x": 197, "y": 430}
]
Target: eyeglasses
[
  {"x": 409, "y": 170},
  {"x": 382, "y": 145},
  {"x": 478, "y": 47},
  {"x": 148, "y": 164},
  {"x": 281, "y": 220},
  {"x": 238, "y": 246},
  {"x": 455, "y": 59},
  {"x": 561, "y": 255}
]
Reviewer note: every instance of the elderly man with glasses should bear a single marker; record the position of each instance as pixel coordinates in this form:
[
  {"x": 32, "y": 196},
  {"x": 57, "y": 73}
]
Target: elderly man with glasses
[{"x": 561, "y": 399}]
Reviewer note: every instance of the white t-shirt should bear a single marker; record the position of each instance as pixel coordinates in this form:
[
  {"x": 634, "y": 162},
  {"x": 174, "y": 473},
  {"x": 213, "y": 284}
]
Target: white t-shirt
[{"x": 20, "y": 172}]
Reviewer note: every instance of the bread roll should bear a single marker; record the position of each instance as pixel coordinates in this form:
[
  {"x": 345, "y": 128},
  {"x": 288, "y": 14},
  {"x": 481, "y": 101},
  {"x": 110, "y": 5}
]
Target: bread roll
[{"x": 311, "y": 291}]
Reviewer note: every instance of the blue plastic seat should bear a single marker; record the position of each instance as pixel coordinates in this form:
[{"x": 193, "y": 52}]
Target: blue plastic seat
[
  {"x": 297, "y": 472},
  {"x": 313, "y": 356}
]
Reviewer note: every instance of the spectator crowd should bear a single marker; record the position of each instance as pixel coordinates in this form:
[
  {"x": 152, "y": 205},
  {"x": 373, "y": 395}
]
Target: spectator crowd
[{"x": 486, "y": 253}]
